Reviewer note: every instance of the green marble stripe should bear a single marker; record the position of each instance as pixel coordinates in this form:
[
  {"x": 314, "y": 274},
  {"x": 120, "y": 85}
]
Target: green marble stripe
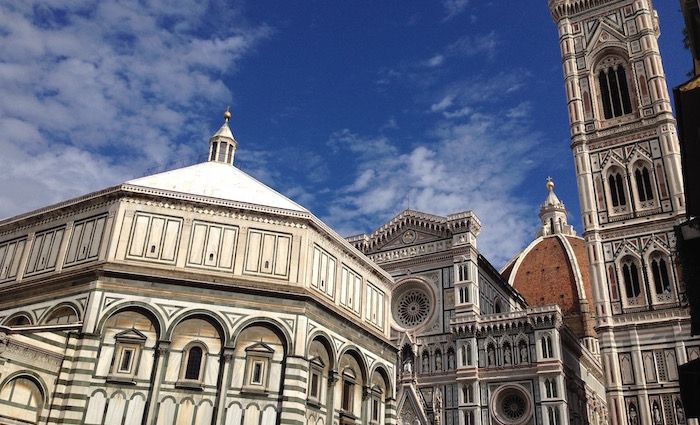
[{"x": 31, "y": 367}]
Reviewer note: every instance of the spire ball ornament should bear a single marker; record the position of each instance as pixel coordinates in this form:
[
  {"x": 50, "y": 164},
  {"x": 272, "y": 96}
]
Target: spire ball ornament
[
  {"x": 550, "y": 183},
  {"x": 227, "y": 115}
]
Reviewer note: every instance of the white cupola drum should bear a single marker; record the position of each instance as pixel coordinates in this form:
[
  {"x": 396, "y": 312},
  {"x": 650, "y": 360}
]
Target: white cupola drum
[{"x": 222, "y": 145}]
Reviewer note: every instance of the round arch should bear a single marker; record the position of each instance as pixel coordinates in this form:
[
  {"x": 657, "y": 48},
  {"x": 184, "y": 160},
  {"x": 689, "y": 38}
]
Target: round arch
[
  {"x": 135, "y": 306},
  {"x": 66, "y": 304},
  {"x": 34, "y": 378},
  {"x": 18, "y": 314},
  {"x": 353, "y": 352},
  {"x": 325, "y": 340},
  {"x": 212, "y": 318},
  {"x": 384, "y": 373},
  {"x": 271, "y": 324}
]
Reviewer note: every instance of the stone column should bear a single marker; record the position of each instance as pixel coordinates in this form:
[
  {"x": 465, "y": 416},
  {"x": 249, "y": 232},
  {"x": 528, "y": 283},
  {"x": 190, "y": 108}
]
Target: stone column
[
  {"x": 157, "y": 376},
  {"x": 223, "y": 383},
  {"x": 330, "y": 396}
]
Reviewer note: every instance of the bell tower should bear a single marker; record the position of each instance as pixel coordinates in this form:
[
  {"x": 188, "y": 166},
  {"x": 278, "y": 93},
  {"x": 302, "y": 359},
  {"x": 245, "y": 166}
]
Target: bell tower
[{"x": 627, "y": 162}]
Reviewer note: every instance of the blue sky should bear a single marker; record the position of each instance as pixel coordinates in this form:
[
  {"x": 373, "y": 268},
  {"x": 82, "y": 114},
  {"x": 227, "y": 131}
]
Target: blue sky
[{"x": 354, "y": 109}]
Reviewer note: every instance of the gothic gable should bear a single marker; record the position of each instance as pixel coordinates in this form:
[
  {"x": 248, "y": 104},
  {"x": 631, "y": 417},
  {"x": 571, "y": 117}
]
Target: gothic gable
[{"x": 604, "y": 32}]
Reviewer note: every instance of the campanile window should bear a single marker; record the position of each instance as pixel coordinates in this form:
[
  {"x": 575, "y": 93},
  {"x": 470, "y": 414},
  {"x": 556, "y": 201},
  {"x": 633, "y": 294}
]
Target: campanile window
[{"x": 614, "y": 92}]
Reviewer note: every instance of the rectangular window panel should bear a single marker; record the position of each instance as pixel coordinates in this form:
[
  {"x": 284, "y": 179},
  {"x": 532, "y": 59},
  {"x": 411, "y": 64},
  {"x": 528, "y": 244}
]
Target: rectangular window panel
[
  {"x": 197, "y": 241},
  {"x": 138, "y": 236},
  {"x": 257, "y": 375},
  {"x": 126, "y": 360},
  {"x": 314, "y": 385},
  {"x": 228, "y": 247},
  {"x": 212, "y": 246},
  {"x": 351, "y": 284},
  {"x": 212, "y": 252},
  {"x": 10, "y": 256},
  {"x": 323, "y": 271},
  {"x": 267, "y": 253},
  {"x": 44, "y": 251},
  {"x": 154, "y": 238},
  {"x": 281, "y": 263},
  {"x": 253, "y": 254},
  {"x": 85, "y": 240}
]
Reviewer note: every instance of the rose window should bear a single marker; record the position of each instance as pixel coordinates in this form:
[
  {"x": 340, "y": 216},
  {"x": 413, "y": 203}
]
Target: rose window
[
  {"x": 513, "y": 406},
  {"x": 412, "y": 308}
]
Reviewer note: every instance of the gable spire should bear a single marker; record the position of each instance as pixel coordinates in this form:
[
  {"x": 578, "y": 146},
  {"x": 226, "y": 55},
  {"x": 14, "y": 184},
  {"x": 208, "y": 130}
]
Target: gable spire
[{"x": 222, "y": 145}]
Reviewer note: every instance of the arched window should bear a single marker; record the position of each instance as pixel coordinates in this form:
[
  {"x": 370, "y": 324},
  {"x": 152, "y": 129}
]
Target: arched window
[
  {"x": 469, "y": 354},
  {"x": 23, "y": 398},
  {"x": 193, "y": 363},
  {"x": 469, "y": 418},
  {"x": 550, "y": 387},
  {"x": 467, "y": 393},
  {"x": 547, "y": 351},
  {"x": 659, "y": 269},
  {"x": 643, "y": 181},
  {"x": 497, "y": 306},
  {"x": 62, "y": 315},
  {"x": 20, "y": 319},
  {"x": 348, "y": 390},
  {"x": 614, "y": 91},
  {"x": 617, "y": 189},
  {"x": 630, "y": 275}
]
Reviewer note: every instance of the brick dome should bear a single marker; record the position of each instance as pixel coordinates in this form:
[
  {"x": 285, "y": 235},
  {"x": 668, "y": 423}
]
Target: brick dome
[{"x": 554, "y": 270}]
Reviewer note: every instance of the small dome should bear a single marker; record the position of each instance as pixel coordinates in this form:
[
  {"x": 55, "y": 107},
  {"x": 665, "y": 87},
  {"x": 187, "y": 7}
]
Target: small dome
[{"x": 554, "y": 270}]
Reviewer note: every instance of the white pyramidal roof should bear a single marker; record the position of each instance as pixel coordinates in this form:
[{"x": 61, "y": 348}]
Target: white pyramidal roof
[{"x": 217, "y": 180}]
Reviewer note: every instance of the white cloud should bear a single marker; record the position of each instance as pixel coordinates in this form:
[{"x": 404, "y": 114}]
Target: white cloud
[
  {"x": 106, "y": 90},
  {"x": 454, "y": 8},
  {"x": 472, "y": 45},
  {"x": 466, "y": 46},
  {"x": 436, "y": 60},
  {"x": 473, "y": 159}
]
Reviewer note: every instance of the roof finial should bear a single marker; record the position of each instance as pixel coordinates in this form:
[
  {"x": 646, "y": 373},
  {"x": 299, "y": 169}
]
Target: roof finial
[
  {"x": 550, "y": 184},
  {"x": 227, "y": 114}
]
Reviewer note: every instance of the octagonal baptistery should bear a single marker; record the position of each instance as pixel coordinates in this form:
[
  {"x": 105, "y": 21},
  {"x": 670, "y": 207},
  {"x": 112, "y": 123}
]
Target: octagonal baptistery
[
  {"x": 194, "y": 296},
  {"x": 553, "y": 269}
]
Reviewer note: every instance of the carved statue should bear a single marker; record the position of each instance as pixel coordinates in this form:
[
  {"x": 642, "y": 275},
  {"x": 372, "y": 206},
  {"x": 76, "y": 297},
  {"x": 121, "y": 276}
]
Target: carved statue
[
  {"x": 506, "y": 355},
  {"x": 438, "y": 362},
  {"x": 633, "y": 415},
  {"x": 523, "y": 353},
  {"x": 656, "y": 413},
  {"x": 450, "y": 360},
  {"x": 491, "y": 356},
  {"x": 3, "y": 342},
  {"x": 408, "y": 365},
  {"x": 426, "y": 363}
]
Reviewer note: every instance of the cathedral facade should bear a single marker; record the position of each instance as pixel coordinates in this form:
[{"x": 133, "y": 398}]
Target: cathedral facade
[{"x": 202, "y": 296}]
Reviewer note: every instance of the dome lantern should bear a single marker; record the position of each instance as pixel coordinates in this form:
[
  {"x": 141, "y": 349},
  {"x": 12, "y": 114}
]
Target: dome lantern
[{"x": 222, "y": 145}]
